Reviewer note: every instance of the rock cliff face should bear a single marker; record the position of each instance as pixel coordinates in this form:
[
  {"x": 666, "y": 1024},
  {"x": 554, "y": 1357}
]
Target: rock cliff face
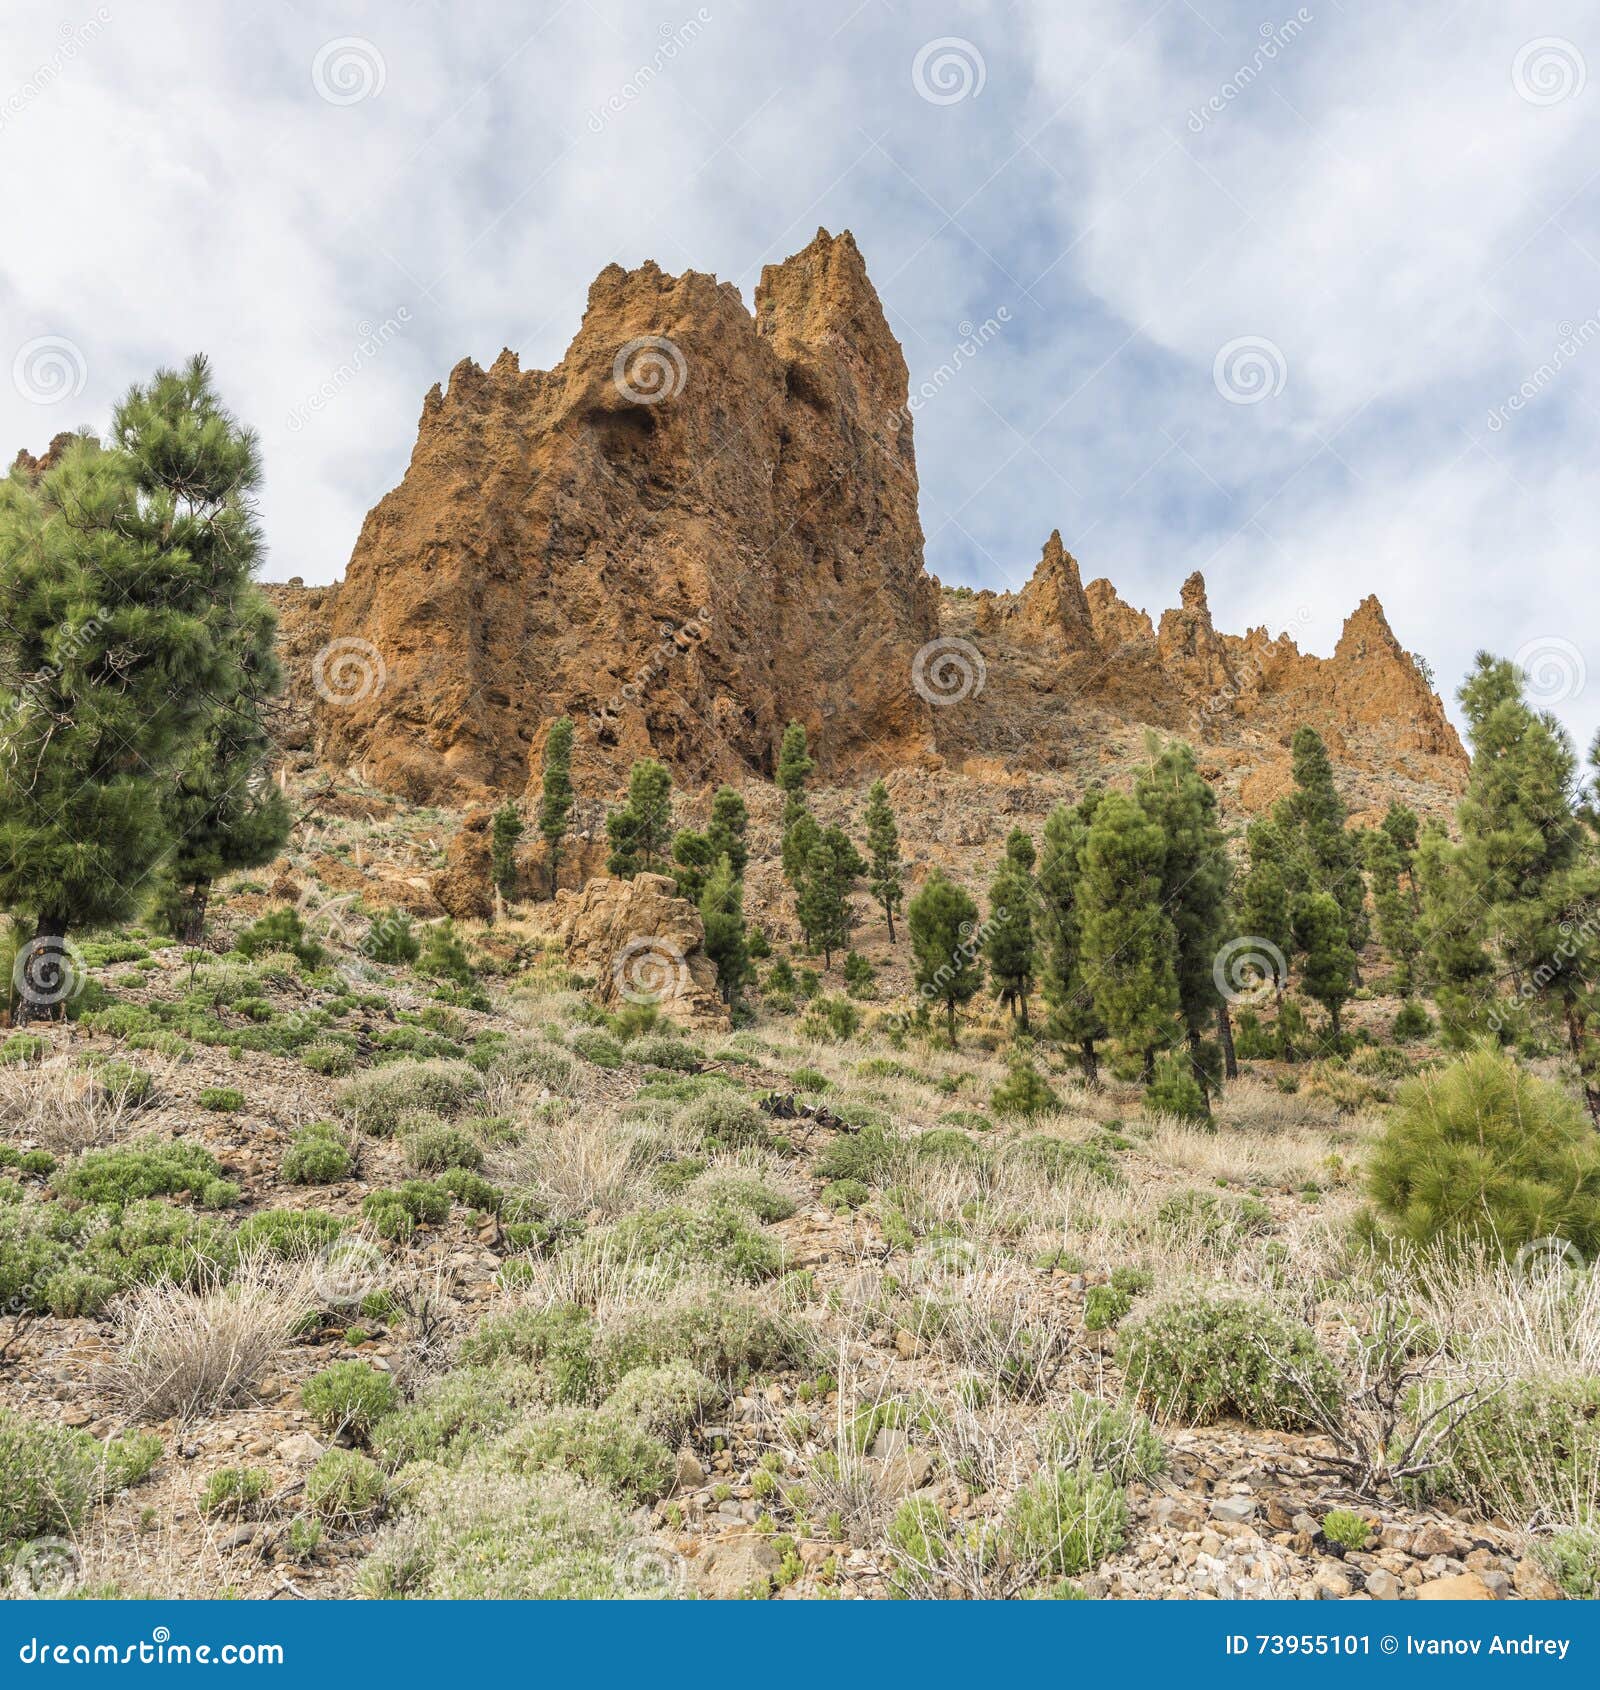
[
  {"x": 704, "y": 521},
  {"x": 698, "y": 522}
]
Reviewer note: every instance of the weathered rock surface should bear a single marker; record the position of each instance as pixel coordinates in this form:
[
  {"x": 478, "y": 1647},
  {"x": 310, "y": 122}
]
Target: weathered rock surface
[
  {"x": 703, "y": 521},
  {"x": 639, "y": 942}
]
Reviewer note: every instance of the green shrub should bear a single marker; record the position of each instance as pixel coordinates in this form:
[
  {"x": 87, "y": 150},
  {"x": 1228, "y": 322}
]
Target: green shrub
[
  {"x": 871, "y": 1156},
  {"x": 348, "y": 1397},
  {"x": 811, "y": 1079},
  {"x": 1572, "y": 1559},
  {"x": 457, "y": 1413},
  {"x": 471, "y": 1190},
  {"x": 531, "y": 1062},
  {"x": 378, "y": 1101},
  {"x": 444, "y": 957},
  {"x": 391, "y": 938},
  {"x": 1483, "y": 1150},
  {"x": 668, "y": 1401},
  {"x": 732, "y": 1190},
  {"x": 344, "y": 1485},
  {"x": 1104, "y": 1306},
  {"x": 433, "y": 1145},
  {"x": 833, "y": 1020},
  {"x": 124, "y": 1084},
  {"x": 281, "y": 930},
  {"x": 288, "y": 1234},
  {"x": 49, "y": 1474},
  {"x": 1348, "y": 1529},
  {"x": 21, "y": 1047},
  {"x": 725, "y": 1120},
  {"x": 225, "y": 1100},
  {"x": 1515, "y": 1452},
  {"x": 1064, "y": 1159},
  {"x": 1068, "y": 1520},
  {"x": 1198, "y": 1357},
  {"x": 1173, "y": 1089},
  {"x": 664, "y": 1050},
  {"x": 842, "y": 1195},
  {"x": 724, "y": 1332},
  {"x": 559, "y": 1340},
  {"x": 602, "y": 1446},
  {"x": 946, "y": 1144},
  {"x": 1024, "y": 1091},
  {"x": 331, "y": 1060},
  {"x": 718, "y": 1238},
  {"x": 146, "y": 1169},
  {"x": 1218, "y": 1219},
  {"x": 597, "y": 1047},
  {"x": 1104, "y": 1437},
  {"x": 233, "y": 1490},
  {"x": 318, "y": 1155},
  {"x": 396, "y": 1212},
  {"x": 1412, "y": 1021}
]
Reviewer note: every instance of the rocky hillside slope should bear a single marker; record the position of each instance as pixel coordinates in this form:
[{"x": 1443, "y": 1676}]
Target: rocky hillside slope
[{"x": 704, "y": 521}]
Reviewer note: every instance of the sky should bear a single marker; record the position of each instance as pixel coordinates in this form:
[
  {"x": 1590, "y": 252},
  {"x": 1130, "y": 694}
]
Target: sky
[{"x": 1305, "y": 298}]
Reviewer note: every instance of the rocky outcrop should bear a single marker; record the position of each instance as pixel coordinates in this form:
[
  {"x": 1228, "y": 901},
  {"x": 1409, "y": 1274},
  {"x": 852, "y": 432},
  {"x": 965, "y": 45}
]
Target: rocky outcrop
[
  {"x": 638, "y": 942},
  {"x": 700, "y": 522},
  {"x": 465, "y": 885}
]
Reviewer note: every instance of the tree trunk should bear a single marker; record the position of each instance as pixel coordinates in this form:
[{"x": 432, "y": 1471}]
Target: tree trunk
[
  {"x": 1022, "y": 1000},
  {"x": 555, "y": 866},
  {"x": 1197, "y": 1068},
  {"x": 1230, "y": 1061},
  {"x": 196, "y": 900},
  {"x": 950, "y": 1013},
  {"x": 889, "y": 912},
  {"x": 36, "y": 986},
  {"x": 1149, "y": 1065},
  {"x": 1091, "y": 1062}
]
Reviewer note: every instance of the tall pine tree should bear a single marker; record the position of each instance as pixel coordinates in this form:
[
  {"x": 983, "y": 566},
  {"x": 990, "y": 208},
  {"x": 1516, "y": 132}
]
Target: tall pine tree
[
  {"x": 883, "y": 853},
  {"x": 1075, "y": 1018}
]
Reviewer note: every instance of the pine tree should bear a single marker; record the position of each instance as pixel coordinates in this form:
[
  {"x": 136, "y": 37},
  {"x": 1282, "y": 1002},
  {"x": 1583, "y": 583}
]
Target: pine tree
[
  {"x": 693, "y": 859},
  {"x": 1008, "y": 943},
  {"x": 1128, "y": 943},
  {"x": 1324, "y": 855},
  {"x": 1264, "y": 913},
  {"x": 1392, "y": 902},
  {"x": 1195, "y": 879},
  {"x": 123, "y": 571},
  {"x": 1328, "y": 973},
  {"x": 944, "y": 945},
  {"x": 504, "y": 832},
  {"x": 1454, "y": 933},
  {"x": 638, "y": 831},
  {"x": 221, "y": 806},
  {"x": 794, "y": 760},
  {"x": 883, "y": 850},
  {"x": 556, "y": 798},
  {"x": 1020, "y": 849},
  {"x": 728, "y": 829},
  {"x": 800, "y": 838},
  {"x": 822, "y": 907},
  {"x": 722, "y": 912},
  {"x": 1074, "y": 1017}
]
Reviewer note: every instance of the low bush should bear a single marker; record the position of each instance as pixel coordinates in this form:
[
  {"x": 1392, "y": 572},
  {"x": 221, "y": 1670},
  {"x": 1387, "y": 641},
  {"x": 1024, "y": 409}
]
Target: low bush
[
  {"x": 1068, "y": 1520},
  {"x": 1064, "y": 1159},
  {"x": 1024, "y": 1091},
  {"x": 1173, "y": 1090},
  {"x": 663, "y": 1050},
  {"x": 149, "y": 1169},
  {"x": 1572, "y": 1559},
  {"x": 559, "y": 1340},
  {"x": 396, "y": 1212},
  {"x": 1482, "y": 1150},
  {"x": 718, "y": 1238},
  {"x": 345, "y": 1487},
  {"x": 378, "y": 1101},
  {"x": 281, "y": 930},
  {"x": 1198, "y": 1357},
  {"x": 348, "y": 1397},
  {"x": 223, "y": 1100},
  {"x": 457, "y": 1413},
  {"x": 234, "y": 1490},
  {"x": 1104, "y": 1437},
  {"x": 724, "y": 1120},
  {"x": 597, "y": 1047},
  {"x": 833, "y": 1020},
  {"x": 49, "y": 1474},
  {"x": 1527, "y": 1451},
  {"x": 601, "y": 1446},
  {"x": 433, "y": 1145},
  {"x": 668, "y": 1401},
  {"x": 288, "y": 1234},
  {"x": 318, "y": 1155}
]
